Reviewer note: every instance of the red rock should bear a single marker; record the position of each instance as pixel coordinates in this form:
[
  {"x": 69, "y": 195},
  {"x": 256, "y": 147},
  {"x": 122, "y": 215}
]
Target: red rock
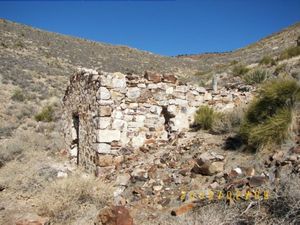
[
  {"x": 154, "y": 77},
  {"x": 257, "y": 181},
  {"x": 169, "y": 78},
  {"x": 115, "y": 215}
]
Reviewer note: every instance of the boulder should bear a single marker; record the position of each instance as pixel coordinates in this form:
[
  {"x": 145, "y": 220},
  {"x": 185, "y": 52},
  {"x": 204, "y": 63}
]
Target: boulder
[
  {"x": 208, "y": 168},
  {"x": 168, "y": 78},
  {"x": 154, "y": 77},
  {"x": 114, "y": 215}
]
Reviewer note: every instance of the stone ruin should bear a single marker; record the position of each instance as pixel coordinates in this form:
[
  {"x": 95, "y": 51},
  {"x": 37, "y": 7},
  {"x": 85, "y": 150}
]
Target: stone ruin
[{"x": 114, "y": 114}]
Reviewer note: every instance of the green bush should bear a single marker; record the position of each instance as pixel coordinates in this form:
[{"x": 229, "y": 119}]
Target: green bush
[
  {"x": 255, "y": 77},
  {"x": 267, "y": 60},
  {"x": 289, "y": 53},
  {"x": 205, "y": 117},
  {"x": 18, "y": 95},
  {"x": 239, "y": 70},
  {"x": 46, "y": 115},
  {"x": 270, "y": 115}
]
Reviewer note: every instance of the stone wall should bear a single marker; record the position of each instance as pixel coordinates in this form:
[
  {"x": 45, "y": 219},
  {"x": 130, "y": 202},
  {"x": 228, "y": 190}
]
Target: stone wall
[{"x": 118, "y": 113}]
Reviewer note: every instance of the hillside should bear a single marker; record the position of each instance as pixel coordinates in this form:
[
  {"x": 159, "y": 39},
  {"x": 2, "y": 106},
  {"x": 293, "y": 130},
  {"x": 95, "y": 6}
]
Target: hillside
[{"x": 271, "y": 45}]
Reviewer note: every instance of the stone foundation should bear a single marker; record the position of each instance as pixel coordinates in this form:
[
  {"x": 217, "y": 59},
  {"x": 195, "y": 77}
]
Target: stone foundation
[{"x": 107, "y": 114}]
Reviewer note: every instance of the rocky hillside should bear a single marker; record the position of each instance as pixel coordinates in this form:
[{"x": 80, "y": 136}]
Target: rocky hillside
[{"x": 272, "y": 45}]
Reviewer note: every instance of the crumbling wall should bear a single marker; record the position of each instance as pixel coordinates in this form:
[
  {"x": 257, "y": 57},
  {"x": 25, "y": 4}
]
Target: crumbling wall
[{"x": 118, "y": 113}]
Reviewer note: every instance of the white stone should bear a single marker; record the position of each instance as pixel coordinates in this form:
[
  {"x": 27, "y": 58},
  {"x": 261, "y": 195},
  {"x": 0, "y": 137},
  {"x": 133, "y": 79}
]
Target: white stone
[
  {"x": 172, "y": 102},
  {"x": 119, "y": 191},
  {"x": 182, "y": 88},
  {"x": 106, "y": 102},
  {"x": 119, "y": 80},
  {"x": 139, "y": 140},
  {"x": 133, "y": 105},
  {"x": 140, "y": 118},
  {"x": 117, "y": 114},
  {"x": 107, "y": 136},
  {"x": 104, "y": 122},
  {"x": 181, "y": 102},
  {"x": 135, "y": 124},
  {"x": 73, "y": 133},
  {"x": 104, "y": 93},
  {"x": 133, "y": 93},
  {"x": 62, "y": 174},
  {"x": 161, "y": 85},
  {"x": 169, "y": 90},
  {"x": 73, "y": 152},
  {"x": 201, "y": 90},
  {"x": 128, "y": 118},
  {"x": 156, "y": 109},
  {"x": 124, "y": 138},
  {"x": 152, "y": 86},
  {"x": 118, "y": 124},
  {"x": 106, "y": 80},
  {"x": 180, "y": 122},
  {"x": 173, "y": 109},
  {"x": 122, "y": 180},
  {"x": 142, "y": 85},
  {"x": 164, "y": 136},
  {"x": 207, "y": 96},
  {"x": 103, "y": 148}
]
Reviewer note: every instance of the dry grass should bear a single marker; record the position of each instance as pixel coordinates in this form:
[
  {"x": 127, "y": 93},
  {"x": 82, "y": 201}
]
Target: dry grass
[
  {"x": 228, "y": 121},
  {"x": 67, "y": 200}
]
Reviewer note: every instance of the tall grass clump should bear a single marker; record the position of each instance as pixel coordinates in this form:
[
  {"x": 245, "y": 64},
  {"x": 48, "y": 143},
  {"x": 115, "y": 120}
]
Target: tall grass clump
[
  {"x": 239, "y": 70},
  {"x": 269, "y": 116},
  {"x": 289, "y": 53},
  {"x": 205, "y": 117},
  {"x": 255, "y": 77},
  {"x": 268, "y": 61}
]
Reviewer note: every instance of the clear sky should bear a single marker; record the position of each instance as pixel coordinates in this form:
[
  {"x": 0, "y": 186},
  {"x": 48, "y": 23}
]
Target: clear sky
[{"x": 160, "y": 26}]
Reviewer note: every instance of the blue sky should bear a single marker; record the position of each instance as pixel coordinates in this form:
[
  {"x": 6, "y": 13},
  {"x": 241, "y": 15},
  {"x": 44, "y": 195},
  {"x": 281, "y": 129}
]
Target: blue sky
[{"x": 163, "y": 27}]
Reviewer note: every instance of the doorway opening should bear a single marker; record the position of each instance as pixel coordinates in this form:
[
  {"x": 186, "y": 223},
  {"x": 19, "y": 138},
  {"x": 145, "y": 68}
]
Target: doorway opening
[{"x": 76, "y": 122}]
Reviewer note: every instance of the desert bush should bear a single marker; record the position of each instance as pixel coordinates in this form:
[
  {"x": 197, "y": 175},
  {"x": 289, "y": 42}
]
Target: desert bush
[
  {"x": 227, "y": 121},
  {"x": 46, "y": 115},
  {"x": 10, "y": 151},
  {"x": 18, "y": 95},
  {"x": 255, "y": 77},
  {"x": 240, "y": 70},
  {"x": 289, "y": 53},
  {"x": 269, "y": 117},
  {"x": 267, "y": 60},
  {"x": 205, "y": 117}
]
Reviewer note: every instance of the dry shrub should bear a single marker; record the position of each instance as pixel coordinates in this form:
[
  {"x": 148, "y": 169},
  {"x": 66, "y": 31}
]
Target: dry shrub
[
  {"x": 228, "y": 121},
  {"x": 205, "y": 117},
  {"x": 64, "y": 201}
]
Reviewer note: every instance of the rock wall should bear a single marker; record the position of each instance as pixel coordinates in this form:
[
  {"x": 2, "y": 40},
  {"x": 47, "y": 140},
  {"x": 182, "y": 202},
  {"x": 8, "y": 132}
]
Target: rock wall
[{"x": 108, "y": 115}]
